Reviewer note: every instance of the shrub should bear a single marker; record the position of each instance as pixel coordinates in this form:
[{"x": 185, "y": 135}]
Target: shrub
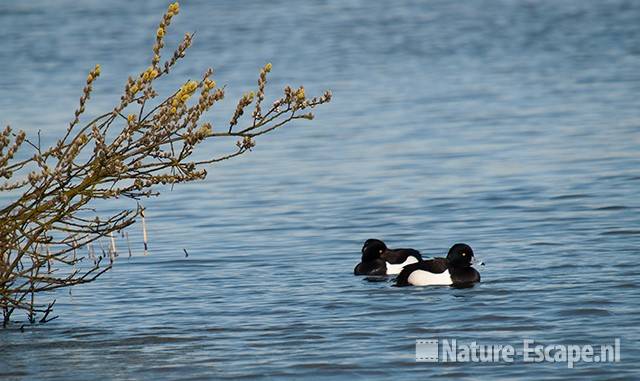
[{"x": 123, "y": 153}]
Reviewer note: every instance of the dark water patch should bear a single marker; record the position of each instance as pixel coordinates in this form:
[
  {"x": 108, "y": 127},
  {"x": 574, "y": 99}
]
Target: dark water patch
[
  {"x": 579, "y": 312},
  {"x": 320, "y": 366},
  {"x": 14, "y": 375},
  {"x": 621, "y": 232},
  {"x": 612, "y": 207},
  {"x": 543, "y": 243},
  {"x": 508, "y": 207},
  {"x": 575, "y": 196}
]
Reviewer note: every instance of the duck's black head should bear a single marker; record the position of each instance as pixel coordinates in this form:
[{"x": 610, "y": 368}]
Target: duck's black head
[
  {"x": 372, "y": 249},
  {"x": 460, "y": 255}
]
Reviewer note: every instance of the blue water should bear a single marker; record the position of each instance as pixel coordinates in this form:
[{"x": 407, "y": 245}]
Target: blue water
[{"x": 513, "y": 126}]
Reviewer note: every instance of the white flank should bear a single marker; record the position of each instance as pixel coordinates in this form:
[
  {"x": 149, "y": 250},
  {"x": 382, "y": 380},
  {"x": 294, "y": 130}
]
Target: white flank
[
  {"x": 395, "y": 269},
  {"x": 425, "y": 278}
]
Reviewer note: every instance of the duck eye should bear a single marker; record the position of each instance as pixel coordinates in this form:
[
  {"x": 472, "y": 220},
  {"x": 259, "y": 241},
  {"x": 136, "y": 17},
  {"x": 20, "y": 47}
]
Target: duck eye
[
  {"x": 464, "y": 254},
  {"x": 380, "y": 251}
]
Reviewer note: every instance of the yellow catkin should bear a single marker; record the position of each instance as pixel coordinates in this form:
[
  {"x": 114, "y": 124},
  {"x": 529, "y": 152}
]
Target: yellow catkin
[
  {"x": 209, "y": 84},
  {"x": 174, "y": 9}
]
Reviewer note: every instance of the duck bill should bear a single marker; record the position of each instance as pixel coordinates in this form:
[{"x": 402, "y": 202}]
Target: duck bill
[{"x": 476, "y": 262}]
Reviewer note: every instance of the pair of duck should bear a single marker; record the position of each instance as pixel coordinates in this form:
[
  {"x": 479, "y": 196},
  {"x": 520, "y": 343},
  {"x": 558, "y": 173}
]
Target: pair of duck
[{"x": 454, "y": 270}]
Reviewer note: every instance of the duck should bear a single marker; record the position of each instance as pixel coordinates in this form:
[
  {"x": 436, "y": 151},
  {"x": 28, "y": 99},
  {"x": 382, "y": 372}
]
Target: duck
[
  {"x": 378, "y": 259},
  {"x": 455, "y": 270}
]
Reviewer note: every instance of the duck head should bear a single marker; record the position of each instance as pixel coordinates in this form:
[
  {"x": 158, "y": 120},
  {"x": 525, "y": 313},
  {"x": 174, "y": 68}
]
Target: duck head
[
  {"x": 373, "y": 249},
  {"x": 461, "y": 255}
]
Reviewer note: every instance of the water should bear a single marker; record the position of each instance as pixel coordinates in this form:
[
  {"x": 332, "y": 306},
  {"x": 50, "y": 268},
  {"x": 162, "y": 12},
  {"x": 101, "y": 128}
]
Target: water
[{"x": 513, "y": 126}]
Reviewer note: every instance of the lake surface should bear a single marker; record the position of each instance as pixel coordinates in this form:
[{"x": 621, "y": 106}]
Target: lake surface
[{"x": 513, "y": 126}]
